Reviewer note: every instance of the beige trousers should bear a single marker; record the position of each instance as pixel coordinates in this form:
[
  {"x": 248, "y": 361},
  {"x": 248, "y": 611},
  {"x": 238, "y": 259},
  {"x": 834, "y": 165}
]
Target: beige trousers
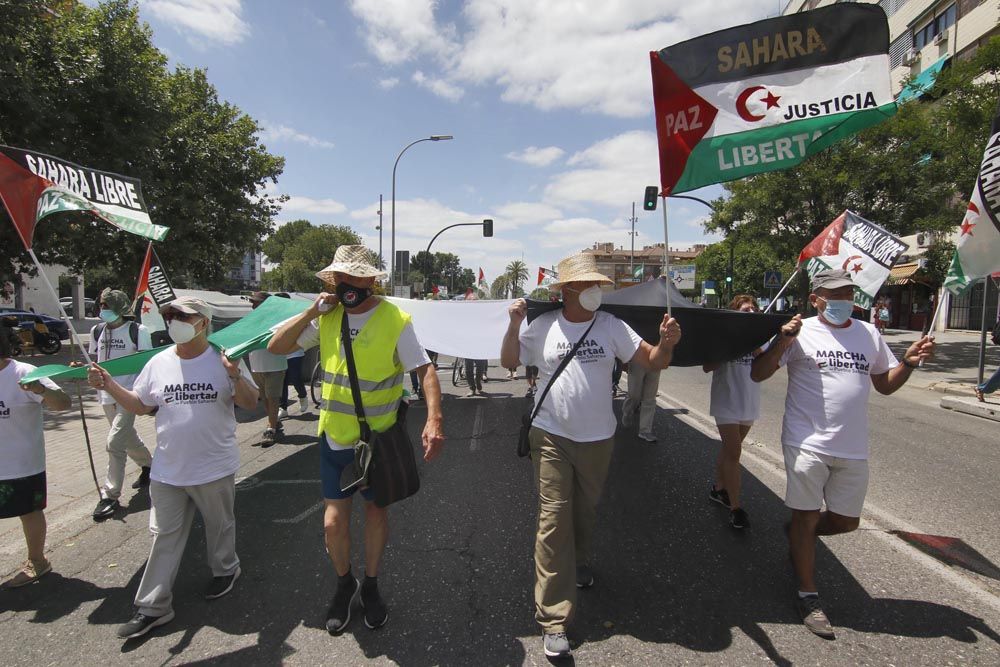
[
  {"x": 569, "y": 477},
  {"x": 123, "y": 442}
]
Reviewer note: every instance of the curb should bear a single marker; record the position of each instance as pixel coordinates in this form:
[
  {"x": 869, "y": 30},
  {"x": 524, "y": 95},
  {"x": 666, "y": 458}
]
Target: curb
[{"x": 984, "y": 410}]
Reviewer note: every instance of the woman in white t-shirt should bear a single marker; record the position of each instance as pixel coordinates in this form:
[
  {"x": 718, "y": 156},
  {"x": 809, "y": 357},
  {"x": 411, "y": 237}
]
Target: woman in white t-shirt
[
  {"x": 22, "y": 456},
  {"x": 735, "y": 405}
]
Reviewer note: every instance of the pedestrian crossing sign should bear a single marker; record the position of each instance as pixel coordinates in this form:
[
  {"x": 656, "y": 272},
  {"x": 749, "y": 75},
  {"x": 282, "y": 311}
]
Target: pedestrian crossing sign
[{"x": 772, "y": 280}]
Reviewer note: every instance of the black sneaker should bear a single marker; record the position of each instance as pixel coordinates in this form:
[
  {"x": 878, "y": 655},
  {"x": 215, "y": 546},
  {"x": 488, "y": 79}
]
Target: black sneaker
[
  {"x": 738, "y": 519},
  {"x": 720, "y": 496},
  {"x": 143, "y": 480},
  {"x": 339, "y": 613},
  {"x": 141, "y": 624},
  {"x": 556, "y": 645},
  {"x": 106, "y": 508},
  {"x": 268, "y": 438},
  {"x": 376, "y": 614},
  {"x": 222, "y": 585},
  {"x": 584, "y": 576}
]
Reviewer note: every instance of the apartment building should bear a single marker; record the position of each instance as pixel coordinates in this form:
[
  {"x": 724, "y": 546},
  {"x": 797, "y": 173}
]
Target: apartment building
[{"x": 620, "y": 263}]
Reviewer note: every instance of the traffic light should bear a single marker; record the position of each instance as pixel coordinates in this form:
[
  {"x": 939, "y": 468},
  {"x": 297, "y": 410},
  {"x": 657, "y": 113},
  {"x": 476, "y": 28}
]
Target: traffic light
[
  {"x": 729, "y": 279},
  {"x": 487, "y": 227},
  {"x": 649, "y": 201}
]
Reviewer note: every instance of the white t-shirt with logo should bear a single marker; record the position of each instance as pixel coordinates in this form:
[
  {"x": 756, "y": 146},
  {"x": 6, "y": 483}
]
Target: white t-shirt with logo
[
  {"x": 262, "y": 361},
  {"x": 22, "y": 443},
  {"x": 829, "y": 380},
  {"x": 107, "y": 343},
  {"x": 409, "y": 352},
  {"x": 195, "y": 424},
  {"x": 735, "y": 397},
  {"x": 579, "y": 405}
]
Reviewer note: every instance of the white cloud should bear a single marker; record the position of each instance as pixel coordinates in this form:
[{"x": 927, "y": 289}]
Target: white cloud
[
  {"x": 550, "y": 55},
  {"x": 299, "y": 204},
  {"x": 389, "y": 83},
  {"x": 537, "y": 157},
  {"x": 612, "y": 172},
  {"x": 284, "y": 133},
  {"x": 439, "y": 87},
  {"x": 218, "y": 20}
]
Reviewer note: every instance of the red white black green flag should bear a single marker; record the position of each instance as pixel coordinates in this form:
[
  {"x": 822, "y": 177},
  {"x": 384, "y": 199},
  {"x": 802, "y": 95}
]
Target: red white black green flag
[
  {"x": 766, "y": 95},
  {"x": 34, "y": 185}
]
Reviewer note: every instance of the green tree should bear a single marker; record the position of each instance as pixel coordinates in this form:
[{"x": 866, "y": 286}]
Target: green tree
[
  {"x": 751, "y": 258},
  {"x": 517, "y": 273},
  {"x": 312, "y": 250},
  {"x": 938, "y": 259},
  {"x": 86, "y": 84},
  {"x": 500, "y": 287},
  {"x": 275, "y": 244}
]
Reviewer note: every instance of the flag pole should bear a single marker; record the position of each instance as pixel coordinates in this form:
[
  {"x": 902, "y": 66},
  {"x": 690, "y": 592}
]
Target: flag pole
[
  {"x": 666, "y": 256},
  {"x": 777, "y": 296},
  {"x": 55, "y": 295}
]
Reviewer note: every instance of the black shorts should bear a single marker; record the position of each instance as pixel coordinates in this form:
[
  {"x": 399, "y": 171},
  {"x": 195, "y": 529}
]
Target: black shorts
[{"x": 22, "y": 496}]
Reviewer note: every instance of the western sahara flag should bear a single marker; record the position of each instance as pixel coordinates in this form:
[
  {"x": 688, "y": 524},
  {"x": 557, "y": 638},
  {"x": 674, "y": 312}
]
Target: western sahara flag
[
  {"x": 482, "y": 277},
  {"x": 34, "y": 185},
  {"x": 545, "y": 277},
  {"x": 152, "y": 291},
  {"x": 766, "y": 95},
  {"x": 857, "y": 246},
  {"x": 977, "y": 253}
]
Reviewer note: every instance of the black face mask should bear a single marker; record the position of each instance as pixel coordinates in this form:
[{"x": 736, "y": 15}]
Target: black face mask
[{"x": 352, "y": 296}]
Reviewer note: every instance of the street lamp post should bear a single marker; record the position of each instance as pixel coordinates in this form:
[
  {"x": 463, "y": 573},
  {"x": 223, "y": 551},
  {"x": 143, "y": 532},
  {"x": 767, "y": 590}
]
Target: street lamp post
[
  {"x": 433, "y": 137},
  {"x": 380, "y": 260}
]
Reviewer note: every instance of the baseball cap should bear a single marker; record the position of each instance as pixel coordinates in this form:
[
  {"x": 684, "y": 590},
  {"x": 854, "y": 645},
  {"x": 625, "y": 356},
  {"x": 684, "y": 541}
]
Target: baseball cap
[
  {"x": 832, "y": 279},
  {"x": 188, "y": 305},
  {"x": 259, "y": 297}
]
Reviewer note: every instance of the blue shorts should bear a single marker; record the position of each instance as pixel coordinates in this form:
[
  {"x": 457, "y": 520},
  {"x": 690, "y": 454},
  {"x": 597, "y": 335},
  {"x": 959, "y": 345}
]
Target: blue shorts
[{"x": 331, "y": 463}]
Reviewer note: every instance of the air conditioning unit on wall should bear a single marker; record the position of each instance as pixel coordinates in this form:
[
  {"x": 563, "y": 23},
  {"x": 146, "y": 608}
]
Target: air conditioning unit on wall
[
  {"x": 911, "y": 57},
  {"x": 941, "y": 38}
]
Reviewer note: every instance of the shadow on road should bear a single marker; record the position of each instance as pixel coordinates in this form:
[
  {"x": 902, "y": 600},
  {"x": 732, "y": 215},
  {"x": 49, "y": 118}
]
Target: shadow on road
[{"x": 458, "y": 571}]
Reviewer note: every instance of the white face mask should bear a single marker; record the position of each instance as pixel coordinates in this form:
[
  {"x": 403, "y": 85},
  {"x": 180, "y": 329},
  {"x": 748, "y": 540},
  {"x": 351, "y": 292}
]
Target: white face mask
[
  {"x": 181, "y": 332},
  {"x": 590, "y": 298}
]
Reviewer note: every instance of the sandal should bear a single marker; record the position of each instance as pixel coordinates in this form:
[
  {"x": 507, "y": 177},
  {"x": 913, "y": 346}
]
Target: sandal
[{"x": 979, "y": 395}]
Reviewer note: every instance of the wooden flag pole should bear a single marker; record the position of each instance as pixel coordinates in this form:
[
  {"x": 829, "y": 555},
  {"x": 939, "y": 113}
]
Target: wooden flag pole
[{"x": 86, "y": 439}]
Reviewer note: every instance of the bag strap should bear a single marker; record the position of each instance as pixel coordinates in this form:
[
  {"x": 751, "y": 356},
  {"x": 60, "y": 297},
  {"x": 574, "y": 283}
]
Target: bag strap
[
  {"x": 559, "y": 369},
  {"x": 352, "y": 372}
]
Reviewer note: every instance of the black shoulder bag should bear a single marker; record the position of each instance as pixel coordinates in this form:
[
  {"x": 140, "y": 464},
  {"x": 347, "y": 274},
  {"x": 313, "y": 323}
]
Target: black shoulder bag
[
  {"x": 523, "y": 445},
  {"x": 383, "y": 460}
]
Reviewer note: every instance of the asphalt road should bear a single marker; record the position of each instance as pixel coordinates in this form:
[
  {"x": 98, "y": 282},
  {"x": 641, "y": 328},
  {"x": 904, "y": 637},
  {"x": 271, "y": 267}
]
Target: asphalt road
[{"x": 675, "y": 585}]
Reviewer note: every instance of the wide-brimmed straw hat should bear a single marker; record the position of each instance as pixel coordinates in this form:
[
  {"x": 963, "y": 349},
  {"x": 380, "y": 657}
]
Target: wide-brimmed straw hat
[
  {"x": 581, "y": 267},
  {"x": 354, "y": 260}
]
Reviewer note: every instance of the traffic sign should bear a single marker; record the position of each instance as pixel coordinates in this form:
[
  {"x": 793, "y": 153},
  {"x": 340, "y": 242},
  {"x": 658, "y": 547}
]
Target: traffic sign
[{"x": 772, "y": 280}]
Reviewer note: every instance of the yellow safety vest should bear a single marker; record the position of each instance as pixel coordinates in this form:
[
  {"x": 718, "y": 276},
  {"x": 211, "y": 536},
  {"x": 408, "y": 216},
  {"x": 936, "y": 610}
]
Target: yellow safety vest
[{"x": 380, "y": 373}]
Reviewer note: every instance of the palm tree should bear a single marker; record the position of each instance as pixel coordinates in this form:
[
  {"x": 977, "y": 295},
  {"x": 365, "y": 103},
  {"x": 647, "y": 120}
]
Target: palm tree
[{"x": 516, "y": 273}]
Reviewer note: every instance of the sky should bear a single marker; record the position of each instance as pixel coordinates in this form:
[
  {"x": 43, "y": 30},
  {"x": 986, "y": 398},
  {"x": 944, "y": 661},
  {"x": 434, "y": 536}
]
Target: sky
[{"x": 549, "y": 103}]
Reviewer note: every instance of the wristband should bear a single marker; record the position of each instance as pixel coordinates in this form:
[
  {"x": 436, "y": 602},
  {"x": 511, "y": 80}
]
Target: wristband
[{"x": 909, "y": 365}]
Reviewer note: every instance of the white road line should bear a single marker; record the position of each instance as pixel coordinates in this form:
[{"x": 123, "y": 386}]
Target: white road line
[
  {"x": 883, "y": 520},
  {"x": 300, "y": 517},
  {"x": 477, "y": 429}
]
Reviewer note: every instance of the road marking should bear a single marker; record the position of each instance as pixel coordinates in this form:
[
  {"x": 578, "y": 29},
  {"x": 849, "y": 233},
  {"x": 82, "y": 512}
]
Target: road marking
[
  {"x": 477, "y": 429},
  {"x": 883, "y": 520},
  {"x": 300, "y": 517}
]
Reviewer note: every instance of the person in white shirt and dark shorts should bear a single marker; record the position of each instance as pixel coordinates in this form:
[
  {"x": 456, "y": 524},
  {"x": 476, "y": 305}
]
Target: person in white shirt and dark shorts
[
  {"x": 22, "y": 457},
  {"x": 833, "y": 361},
  {"x": 115, "y": 337},
  {"x": 735, "y": 405},
  {"x": 193, "y": 388}
]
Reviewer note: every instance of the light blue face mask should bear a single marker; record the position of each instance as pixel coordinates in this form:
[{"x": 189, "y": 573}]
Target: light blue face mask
[
  {"x": 837, "y": 312},
  {"x": 108, "y": 316}
]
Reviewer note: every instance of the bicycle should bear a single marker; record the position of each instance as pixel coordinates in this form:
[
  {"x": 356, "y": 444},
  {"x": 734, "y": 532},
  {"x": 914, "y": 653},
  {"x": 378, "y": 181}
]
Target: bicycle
[{"x": 316, "y": 384}]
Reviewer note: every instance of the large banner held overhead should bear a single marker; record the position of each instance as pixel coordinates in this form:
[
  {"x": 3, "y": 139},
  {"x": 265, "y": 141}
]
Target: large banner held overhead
[
  {"x": 764, "y": 96},
  {"x": 977, "y": 253},
  {"x": 34, "y": 185},
  {"x": 857, "y": 246}
]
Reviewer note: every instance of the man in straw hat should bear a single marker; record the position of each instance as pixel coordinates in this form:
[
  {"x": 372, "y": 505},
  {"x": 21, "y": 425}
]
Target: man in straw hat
[
  {"x": 385, "y": 347},
  {"x": 833, "y": 362},
  {"x": 193, "y": 388},
  {"x": 115, "y": 337},
  {"x": 573, "y": 433}
]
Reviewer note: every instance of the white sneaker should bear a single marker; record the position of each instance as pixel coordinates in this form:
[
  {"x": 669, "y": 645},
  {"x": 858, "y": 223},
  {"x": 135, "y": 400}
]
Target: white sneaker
[
  {"x": 648, "y": 437},
  {"x": 304, "y": 404},
  {"x": 282, "y": 413}
]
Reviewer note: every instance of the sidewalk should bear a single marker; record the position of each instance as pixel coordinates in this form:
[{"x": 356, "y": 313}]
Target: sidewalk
[{"x": 954, "y": 371}]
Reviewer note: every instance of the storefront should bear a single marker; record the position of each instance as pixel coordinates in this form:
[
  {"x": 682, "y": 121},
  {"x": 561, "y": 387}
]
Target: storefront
[{"x": 911, "y": 297}]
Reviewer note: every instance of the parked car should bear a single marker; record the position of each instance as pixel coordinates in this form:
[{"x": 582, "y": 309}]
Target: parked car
[
  {"x": 90, "y": 306},
  {"x": 27, "y": 319}
]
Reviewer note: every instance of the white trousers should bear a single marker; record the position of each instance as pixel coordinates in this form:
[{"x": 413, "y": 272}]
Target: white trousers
[
  {"x": 123, "y": 442},
  {"x": 642, "y": 386},
  {"x": 170, "y": 522}
]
